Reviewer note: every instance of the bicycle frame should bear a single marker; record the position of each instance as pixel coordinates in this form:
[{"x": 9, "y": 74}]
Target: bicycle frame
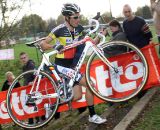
[{"x": 89, "y": 43}]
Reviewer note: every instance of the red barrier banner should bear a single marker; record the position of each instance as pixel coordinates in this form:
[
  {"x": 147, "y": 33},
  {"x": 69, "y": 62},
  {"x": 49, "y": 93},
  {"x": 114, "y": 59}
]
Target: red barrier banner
[{"x": 103, "y": 79}]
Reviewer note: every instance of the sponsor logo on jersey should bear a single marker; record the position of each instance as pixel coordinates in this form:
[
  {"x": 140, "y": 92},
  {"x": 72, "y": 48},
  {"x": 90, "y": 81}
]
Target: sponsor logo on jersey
[{"x": 68, "y": 40}]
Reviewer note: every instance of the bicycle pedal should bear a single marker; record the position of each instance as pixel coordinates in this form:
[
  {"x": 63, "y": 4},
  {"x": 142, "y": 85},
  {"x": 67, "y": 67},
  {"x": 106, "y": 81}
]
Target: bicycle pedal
[
  {"x": 30, "y": 103},
  {"x": 35, "y": 108}
]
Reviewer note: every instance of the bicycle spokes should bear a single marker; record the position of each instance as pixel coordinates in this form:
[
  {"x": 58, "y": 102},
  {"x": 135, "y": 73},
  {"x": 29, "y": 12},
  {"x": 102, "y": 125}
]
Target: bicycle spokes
[
  {"x": 124, "y": 79},
  {"x": 29, "y": 103}
]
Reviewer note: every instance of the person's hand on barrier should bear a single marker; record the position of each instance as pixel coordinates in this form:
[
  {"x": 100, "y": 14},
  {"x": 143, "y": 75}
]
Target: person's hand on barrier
[{"x": 104, "y": 31}]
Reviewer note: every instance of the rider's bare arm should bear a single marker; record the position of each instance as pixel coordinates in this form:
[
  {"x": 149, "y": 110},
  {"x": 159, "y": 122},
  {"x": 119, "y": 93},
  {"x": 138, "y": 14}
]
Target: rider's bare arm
[{"x": 45, "y": 44}]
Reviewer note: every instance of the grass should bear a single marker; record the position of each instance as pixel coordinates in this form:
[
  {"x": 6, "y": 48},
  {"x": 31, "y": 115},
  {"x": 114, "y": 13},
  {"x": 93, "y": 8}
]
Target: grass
[
  {"x": 15, "y": 65},
  {"x": 150, "y": 120}
]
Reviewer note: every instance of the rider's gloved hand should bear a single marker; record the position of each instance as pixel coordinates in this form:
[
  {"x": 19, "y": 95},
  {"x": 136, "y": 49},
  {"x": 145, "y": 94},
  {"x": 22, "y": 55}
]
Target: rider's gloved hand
[{"x": 58, "y": 47}]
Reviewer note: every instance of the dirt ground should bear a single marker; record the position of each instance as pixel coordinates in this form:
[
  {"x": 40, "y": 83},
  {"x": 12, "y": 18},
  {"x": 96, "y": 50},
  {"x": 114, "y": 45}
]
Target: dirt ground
[
  {"x": 112, "y": 120},
  {"x": 155, "y": 99}
]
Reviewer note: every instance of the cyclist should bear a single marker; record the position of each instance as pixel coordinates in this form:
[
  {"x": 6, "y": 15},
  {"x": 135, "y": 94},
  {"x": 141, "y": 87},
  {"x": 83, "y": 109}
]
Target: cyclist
[{"x": 65, "y": 34}]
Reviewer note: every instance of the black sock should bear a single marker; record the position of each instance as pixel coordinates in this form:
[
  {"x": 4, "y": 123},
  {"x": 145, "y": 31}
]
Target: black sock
[
  {"x": 81, "y": 109},
  {"x": 91, "y": 110},
  {"x": 57, "y": 115}
]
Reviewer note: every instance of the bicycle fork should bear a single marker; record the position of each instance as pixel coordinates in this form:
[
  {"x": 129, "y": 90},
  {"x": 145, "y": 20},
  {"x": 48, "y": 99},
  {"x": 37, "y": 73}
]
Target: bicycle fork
[{"x": 100, "y": 54}]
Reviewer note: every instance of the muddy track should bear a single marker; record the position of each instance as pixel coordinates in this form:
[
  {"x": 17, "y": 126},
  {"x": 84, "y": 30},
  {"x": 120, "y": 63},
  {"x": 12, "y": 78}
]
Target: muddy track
[
  {"x": 113, "y": 114},
  {"x": 120, "y": 116}
]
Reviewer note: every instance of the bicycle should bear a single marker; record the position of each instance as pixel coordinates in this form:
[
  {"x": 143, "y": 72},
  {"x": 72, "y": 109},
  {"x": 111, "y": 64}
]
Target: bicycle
[{"x": 48, "y": 90}]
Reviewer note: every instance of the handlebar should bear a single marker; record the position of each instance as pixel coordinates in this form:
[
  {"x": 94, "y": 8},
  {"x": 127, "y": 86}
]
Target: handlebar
[{"x": 91, "y": 21}]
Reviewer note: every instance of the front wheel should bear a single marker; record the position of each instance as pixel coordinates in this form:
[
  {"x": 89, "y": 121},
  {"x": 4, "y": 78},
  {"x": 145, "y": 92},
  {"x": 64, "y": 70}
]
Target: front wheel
[
  {"x": 125, "y": 79},
  {"x": 29, "y": 105}
]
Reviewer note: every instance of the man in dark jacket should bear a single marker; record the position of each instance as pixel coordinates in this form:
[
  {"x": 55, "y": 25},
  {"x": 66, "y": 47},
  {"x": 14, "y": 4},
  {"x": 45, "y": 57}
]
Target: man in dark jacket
[
  {"x": 27, "y": 65},
  {"x": 136, "y": 29}
]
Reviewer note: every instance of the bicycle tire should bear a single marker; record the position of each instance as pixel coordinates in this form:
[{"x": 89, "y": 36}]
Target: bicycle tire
[
  {"x": 114, "y": 78},
  {"x": 44, "y": 109}
]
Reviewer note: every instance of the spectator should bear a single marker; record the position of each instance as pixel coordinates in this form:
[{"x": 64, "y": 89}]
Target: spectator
[
  {"x": 137, "y": 31},
  {"x": 66, "y": 34},
  {"x": 117, "y": 35},
  {"x": 28, "y": 64},
  {"x": 9, "y": 79},
  {"x": 155, "y": 6},
  {"x": 117, "y": 32}
]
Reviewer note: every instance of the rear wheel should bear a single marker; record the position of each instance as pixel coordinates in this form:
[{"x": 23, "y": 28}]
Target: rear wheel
[
  {"x": 28, "y": 108},
  {"x": 125, "y": 79}
]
